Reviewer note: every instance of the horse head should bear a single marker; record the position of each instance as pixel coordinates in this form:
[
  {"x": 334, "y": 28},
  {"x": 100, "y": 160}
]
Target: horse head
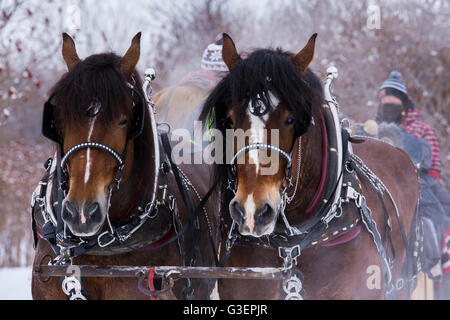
[
  {"x": 267, "y": 101},
  {"x": 95, "y": 113}
]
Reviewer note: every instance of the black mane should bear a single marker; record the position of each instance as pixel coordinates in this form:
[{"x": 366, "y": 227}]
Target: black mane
[
  {"x": 261, "y": 71},
  {"x": 264, "y": 70},
  {"x": 96, "y": 79}
]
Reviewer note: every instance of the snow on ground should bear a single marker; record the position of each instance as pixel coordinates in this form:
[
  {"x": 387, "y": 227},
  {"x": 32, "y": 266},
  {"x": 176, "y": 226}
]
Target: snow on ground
[{"x": 15, "y": 283}]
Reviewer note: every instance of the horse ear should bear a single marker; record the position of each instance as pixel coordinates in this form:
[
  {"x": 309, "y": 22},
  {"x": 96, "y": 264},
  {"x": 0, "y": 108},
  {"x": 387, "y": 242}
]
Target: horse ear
[
  {"x": 69, "y": 52},
  {"x": 302, "y": 60},
  {"x": 131, "y": 57},
  {"x": 229, "y": 52}
]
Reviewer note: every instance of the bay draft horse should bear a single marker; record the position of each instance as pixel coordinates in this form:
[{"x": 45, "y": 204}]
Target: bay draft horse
[
  {"x": 273, "y": 89},
  {"x": 99, "y": 104}
]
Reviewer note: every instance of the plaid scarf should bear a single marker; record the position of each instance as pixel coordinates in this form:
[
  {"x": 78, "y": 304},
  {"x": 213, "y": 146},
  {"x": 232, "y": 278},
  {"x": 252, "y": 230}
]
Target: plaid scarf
[{"x": 421, "y": 130}]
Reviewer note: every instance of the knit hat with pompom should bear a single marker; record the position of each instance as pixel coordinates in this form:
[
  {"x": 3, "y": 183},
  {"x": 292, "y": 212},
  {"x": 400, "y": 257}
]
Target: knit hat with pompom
[{"x": 212, "y": 57}]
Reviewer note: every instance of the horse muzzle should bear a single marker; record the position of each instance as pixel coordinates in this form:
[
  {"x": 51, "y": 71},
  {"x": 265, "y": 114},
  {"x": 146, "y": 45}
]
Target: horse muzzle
[
  {"x": 85, "y": 220},
  {"x": 253, "y": 221}
]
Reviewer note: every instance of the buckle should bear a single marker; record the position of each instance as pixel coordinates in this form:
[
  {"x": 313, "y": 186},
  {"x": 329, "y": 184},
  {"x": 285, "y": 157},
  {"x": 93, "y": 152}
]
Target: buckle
[
  {"x": 65, "y": 255},
  {"x": 37, "y": 193},
  {"x": 289, "y": 252},
  {"x": 352, "y": 194},
  {"x": 289, "y": 256},
  {"x": 108, "y": 242},
  {"x": 171, "y": 203}
]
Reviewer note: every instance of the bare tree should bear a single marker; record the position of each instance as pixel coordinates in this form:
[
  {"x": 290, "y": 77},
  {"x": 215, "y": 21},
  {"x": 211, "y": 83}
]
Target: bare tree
[{"x": 413, "y": 38}]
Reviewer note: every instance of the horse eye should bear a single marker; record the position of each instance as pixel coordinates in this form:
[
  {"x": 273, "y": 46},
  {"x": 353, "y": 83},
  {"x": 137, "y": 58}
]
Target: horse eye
[
  {"x": 123, "y": 122},
  {"x": 289, "y": 121}
]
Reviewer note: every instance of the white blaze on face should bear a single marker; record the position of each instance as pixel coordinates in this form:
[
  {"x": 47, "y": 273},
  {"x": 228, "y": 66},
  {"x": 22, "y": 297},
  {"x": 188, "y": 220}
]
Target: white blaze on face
[
  {"x": 82, "y": 215},
  {"x": 88, "y": 154},
  {"x": 250, "y": 207},
  {"x": 257, "y": 126}
]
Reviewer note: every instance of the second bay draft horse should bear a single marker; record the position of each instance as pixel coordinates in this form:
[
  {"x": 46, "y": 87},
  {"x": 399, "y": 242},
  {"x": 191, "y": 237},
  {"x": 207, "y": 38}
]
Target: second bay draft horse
[
  {"x": 340, "y": 213},
  {"x": 109, "y": 196}
]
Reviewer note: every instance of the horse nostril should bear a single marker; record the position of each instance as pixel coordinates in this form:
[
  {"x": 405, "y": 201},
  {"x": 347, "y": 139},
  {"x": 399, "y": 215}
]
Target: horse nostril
[
  {"x": 264, "y": 214},
  {"x": 69, "y": 211},
  {"x": 93, "y": 211},
  {"x": 236, "y": 211}
]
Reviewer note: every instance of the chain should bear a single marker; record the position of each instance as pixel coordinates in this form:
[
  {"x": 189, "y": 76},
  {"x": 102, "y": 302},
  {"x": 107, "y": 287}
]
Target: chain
[
  {"x": 72, "y": 288},
  {"x": 369, "y": 222},
  {"x": 374, "y": 180},
  {"x": 189, "y": 185},
  {"x": 293, "y": 288},
  {"x": 299, "y": 159},
  {"x": 292, "y": 285}
]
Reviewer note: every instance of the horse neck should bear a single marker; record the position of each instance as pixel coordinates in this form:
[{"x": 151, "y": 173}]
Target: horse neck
[{"x": 310, "y": 171}]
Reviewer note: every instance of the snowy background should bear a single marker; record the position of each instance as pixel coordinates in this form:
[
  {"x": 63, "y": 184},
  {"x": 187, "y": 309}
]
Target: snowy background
[
  {"x": 412, "y": 37},
  {"x": 15, "y": 283}
]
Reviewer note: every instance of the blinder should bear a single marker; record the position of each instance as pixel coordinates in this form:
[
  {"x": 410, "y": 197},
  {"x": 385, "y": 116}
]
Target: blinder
[
  {"x": 137, "y": 122},
  {"x": 49, "y": 129},
  {"x": 304, "y": 125}
]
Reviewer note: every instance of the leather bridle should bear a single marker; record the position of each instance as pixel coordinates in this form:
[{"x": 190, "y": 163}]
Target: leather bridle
[{"x": 136, "y": 129}]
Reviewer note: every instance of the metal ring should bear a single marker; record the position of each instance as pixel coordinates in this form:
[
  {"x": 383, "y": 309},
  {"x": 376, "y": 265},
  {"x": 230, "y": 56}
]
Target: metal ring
[
  {"x": 101, "y": 235},
  {"x": 162, "y": 124},
  {"x": 348, "y": 167},
  {"x": 338, "y": 212},
  {"x": 142, "y": 286}
]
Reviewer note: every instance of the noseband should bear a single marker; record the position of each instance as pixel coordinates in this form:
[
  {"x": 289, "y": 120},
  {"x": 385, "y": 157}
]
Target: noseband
[
  {"x": 96, "y": 145},
  {"x": 119, "y": 158},
  {"x": 287, "y": 179},
  {"x": 263, "y": 146}
]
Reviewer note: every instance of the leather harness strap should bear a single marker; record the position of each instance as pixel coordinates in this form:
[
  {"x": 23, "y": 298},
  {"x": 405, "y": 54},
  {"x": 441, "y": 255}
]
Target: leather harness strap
[{"x": 323, "y": 171}]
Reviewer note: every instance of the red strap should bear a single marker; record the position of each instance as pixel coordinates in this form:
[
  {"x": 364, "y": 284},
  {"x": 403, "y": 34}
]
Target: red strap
[
  {"x": 161, "y": 241},
  {"x": 323, "y": 172},
  {"x": 151, "y": 285}
]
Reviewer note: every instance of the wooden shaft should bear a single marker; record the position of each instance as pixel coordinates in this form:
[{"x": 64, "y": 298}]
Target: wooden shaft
[{"x": 164, "y": 271}]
